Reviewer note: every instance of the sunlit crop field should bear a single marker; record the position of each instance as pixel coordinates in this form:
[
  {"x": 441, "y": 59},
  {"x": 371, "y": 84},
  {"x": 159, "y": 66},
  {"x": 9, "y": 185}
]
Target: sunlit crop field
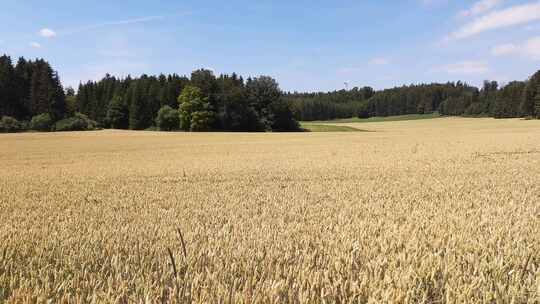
[{"x": 429, "y": 211}]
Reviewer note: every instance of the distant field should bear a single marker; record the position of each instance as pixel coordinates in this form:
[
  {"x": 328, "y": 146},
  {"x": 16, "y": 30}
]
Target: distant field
[
  {"x": 380, "y": 119},
  {"x": 426, "y": 211},
  {"x": 327, "y": 128}
]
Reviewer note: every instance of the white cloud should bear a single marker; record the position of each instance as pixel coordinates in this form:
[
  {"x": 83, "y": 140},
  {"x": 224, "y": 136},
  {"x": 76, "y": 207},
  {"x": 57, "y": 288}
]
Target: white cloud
[
  {"x": 35, "y": 45},
  {"x": 514, "y": 15},
  {"x": 113, "y": 23},
  {"x": 480, "y": 7},
  {"x": 47, "y": 33},
  {"x": 504, "y": 49},
  {"x": 130, "y": 21},
  {"x": 466, "y": 68},
  {"x": 379, "y": 61},
  {"x": 529, "y": 49}
]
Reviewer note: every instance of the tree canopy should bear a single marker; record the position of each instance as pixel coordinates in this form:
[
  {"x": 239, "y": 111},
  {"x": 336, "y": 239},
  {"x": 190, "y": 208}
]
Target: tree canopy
[
  {"x": 516, "y": 99},
  {"x": 30, "y": 88},
  {"x": 204, "y": 101}
]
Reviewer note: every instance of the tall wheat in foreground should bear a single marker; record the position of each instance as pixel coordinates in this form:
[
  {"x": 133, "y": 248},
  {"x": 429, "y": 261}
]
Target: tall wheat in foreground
[{"x": 431, "y": 211}]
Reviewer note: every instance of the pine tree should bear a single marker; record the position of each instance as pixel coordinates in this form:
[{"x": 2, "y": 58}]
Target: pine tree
[
  {"x": 136, "y": 107},
  {"x": 527, "y": 103},
  {"x": 527, "y": 106},
  {"x": 57, "y": 106},
  {"x": 82, "y": 99},
  {"x": 71, "y": 102},
  {"x": 153, "y": 99},
  {"x": 39, "y": 91},
  {"x": 23, "y": 72},
  {"x": 498, "y": 108},
  {"x": 117, "y": 114},
  {"x": 537, "y": 102},
  {"x": 8, "y": 105},
  {"x": 92, "y": 96}
]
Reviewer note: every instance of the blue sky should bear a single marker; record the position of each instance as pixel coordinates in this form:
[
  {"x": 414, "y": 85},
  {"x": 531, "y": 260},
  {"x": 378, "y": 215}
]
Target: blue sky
[{"x": 306, "y": 45}]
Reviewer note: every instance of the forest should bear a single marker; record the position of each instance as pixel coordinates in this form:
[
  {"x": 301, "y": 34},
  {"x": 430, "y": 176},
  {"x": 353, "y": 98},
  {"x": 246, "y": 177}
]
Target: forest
[
  {"x": 515, "y": 99},
  {"x": 33, "y": 98}
]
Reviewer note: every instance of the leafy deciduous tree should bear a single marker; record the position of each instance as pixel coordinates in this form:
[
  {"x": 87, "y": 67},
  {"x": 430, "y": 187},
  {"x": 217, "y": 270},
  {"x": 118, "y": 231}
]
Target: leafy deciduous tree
[
  {"x": 194, "y": 110},
  {"x": 168, "y": 119}
]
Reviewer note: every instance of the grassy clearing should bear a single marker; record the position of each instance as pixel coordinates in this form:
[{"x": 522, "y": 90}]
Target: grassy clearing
[
  {"x": 381, "y": 119},
  {"x": 328, "y": 128},
  {"x": 441, "y": 211}
]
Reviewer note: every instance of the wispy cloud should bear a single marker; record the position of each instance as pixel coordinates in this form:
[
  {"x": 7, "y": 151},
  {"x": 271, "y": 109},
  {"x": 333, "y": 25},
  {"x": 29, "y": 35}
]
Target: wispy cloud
[
  {"x": 512, "y": 16},
  {"x": 35, "y": 45},
  {"x": 480, "y": 7},
  {"x": 111, "y": 23},
  {"x": 379, "y": 61},
  {"x": 433, "y": 2},
  {"x": 532, "y": 27},
  {"x": 97, "y": 70},
  {"x": 504, "y": 49},
  {"x": 347, "y": 70},
  {"x": 529, "y": 49},
  {"x": 466, "y": 68},
  {"x": 47, "y": 33}
]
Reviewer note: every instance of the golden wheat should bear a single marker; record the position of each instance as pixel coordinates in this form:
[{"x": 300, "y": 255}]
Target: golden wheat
[{"x": 433, "y": 211}]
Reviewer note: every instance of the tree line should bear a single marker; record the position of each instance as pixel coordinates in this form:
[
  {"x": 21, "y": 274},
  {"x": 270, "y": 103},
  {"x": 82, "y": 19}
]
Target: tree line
[
  {"x": 202, "y": 101},
  {"x": 516, "y": 99},
  {"x": 32, "y": 97},
  {"x": 329, "y": 105},
  {"x": 30, "y": 88}
]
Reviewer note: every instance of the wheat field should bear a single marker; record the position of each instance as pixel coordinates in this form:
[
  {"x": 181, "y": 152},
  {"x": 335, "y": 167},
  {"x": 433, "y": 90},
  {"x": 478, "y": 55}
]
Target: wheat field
[{"x": 430, "y": 211}]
